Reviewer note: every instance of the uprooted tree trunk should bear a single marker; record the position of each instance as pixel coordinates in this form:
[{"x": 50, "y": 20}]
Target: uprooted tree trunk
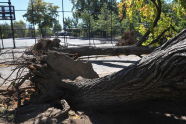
[
  {"x": 162, "y": 74},
  {"x": 46, "y": 44},
  {"x": 116, "y": 50}
]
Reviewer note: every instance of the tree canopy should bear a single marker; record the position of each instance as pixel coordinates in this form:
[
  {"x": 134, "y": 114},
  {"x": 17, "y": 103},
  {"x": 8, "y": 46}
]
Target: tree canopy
[
  {"x": 41, "y": 13},
  {"x": 57, "y": 27},
  {"x": 154, "y": 17},
  {"x": 19, "y": 27},
  {"x": 153, "y": 21}
]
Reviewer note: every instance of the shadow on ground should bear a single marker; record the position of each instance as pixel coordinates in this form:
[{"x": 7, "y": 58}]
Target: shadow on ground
[{"x": 149, "y": 113}]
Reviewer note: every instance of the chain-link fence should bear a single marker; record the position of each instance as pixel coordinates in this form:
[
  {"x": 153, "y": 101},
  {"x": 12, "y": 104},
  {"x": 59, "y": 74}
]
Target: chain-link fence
[{"x": 24, "y": 33}]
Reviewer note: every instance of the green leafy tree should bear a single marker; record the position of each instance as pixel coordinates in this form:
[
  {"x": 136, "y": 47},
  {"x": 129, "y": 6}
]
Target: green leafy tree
[
  {"x": 179, "y": 13},
  {"x": 20, "y": 28},
  {"x": 43, "y": 14},
  {"x": 5, "y": 30},
  {"x": 153, "y": 19},
  {"x": 30, "y": 32},
  {"x": 57, "y": 27},
  {"x": 93, "y": 7},
  {"x": 99, "y": 16},
  {"x": 89, "y": 10},
  {"x": 70, "y": 23},
  {"x": 107, "y": 23}
]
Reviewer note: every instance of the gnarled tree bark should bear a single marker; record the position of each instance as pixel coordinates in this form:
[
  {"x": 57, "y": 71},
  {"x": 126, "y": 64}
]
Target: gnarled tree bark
[{"x": 162, "y": 74}]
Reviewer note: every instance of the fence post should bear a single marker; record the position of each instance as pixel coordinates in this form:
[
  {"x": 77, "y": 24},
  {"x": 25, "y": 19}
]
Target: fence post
[
  {"x": 33, "y": 21},
  {"x": 2, "y": 42},
  {"x": 12, "y": 26},
  {"x": 13, "y": 57},
  {"x": 111, "y": 23},
  {"x": 64, "y": 28}
]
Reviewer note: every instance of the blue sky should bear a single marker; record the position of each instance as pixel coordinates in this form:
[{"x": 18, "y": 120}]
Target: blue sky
[{"x": 23, "y": 4}]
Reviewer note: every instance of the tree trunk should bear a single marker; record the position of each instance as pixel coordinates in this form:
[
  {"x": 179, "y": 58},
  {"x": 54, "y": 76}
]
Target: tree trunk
[
  {"x": 116, "y": 50},
  {"x": 160, "y": 75},
  {"x": 46, "y": 44}
]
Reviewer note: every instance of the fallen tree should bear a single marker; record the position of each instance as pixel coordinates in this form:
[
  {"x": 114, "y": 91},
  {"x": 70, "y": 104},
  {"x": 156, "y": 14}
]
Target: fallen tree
[
  {"x": 160, "y": 75},
  {"x": 46, "y": 44},
  {"x": 116, "y": 50}
]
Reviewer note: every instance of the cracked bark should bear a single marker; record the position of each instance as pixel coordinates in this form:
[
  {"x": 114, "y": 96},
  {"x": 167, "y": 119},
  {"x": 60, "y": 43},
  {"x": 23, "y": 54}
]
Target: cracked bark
[{"x": 160, "y": 75}]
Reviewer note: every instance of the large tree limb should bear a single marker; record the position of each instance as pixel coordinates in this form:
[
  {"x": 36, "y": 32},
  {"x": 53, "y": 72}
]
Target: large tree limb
[
  {"x": 162, "y": 74},
  {"x": 116, "y": 50},
  {"x": 44, "y": 45}
]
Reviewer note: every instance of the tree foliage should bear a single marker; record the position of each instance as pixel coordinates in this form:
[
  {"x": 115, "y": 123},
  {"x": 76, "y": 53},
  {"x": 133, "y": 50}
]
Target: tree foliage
[
  {"x": 5, "y": 30},
  {"x": 93, "y": 7},
  {"x": 41, "y": 13},
  {"x": 150, "y": 19},
  {"x": 57, "y": 27},
  {"x": 97, "y": 16},
  {"x": 143, "y": 12},
  {"x": 70, "y": 23},
  {"x": 107, "y": 21},
  {"x": 20, "y": 29}
]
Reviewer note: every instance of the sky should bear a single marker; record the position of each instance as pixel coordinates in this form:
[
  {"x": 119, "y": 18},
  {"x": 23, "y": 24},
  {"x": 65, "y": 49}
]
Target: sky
[{"x": 23, "y": 4}]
